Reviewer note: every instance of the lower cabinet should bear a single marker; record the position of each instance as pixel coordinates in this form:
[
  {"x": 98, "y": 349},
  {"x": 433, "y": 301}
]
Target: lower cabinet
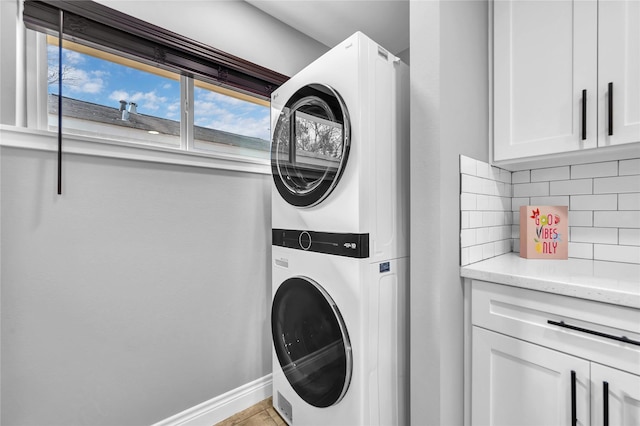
[
  {"x": 518, "y": 383},
  {"x": 525, "y": 370},
  {"x": 615, "y": 397}
]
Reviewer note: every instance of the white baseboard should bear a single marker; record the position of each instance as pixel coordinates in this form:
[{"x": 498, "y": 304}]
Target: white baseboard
[{"x": 221, "y": 407}]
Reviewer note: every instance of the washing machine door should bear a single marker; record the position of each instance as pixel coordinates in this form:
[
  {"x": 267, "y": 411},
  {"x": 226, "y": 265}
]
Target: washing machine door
[
  {"x": 311, "y": 342},
  {"x": 310, "y": 145}
]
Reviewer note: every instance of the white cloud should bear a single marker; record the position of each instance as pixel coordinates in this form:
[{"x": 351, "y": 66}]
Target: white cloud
[
  {"x": 119, "y": 95},
  {"x": 221, "y": 112},
  {"x": 71, "y": 58},
  {"x": 214, "y": 97},
  {"x": 241, "y": 125},
  {"x": 149, "y": 100},
  {"x": 81, "y": 81}
]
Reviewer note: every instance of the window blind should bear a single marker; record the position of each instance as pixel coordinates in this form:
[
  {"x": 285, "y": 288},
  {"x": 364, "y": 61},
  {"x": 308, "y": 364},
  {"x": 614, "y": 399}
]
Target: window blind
[{"x": 89, "y": 22}]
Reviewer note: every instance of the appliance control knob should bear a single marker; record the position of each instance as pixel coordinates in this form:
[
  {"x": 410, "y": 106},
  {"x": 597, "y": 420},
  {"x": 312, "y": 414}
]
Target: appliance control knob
[{"x": 304, "y": 239}]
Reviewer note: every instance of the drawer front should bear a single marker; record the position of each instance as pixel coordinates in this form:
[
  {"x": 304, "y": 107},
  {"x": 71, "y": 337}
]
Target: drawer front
[{"x": 525, "y": 314}]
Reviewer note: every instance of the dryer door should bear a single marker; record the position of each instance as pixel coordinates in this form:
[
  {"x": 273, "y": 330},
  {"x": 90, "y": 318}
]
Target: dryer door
[
  {"x": 310, "y": 145},
  {"x": 311, "y": 342}
]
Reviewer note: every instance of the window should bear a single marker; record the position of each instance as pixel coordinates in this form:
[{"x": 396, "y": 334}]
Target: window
[
  {"x": 125, "y": 79},
  {"x": 107, "y": 95},
  {"x": 224, "y": 119}
]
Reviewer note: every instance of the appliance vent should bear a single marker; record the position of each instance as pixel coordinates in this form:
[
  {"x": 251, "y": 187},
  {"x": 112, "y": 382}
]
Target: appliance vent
[{"x": 285, "y": 408}]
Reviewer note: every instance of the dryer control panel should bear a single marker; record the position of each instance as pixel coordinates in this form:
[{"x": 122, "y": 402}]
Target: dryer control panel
[{"x": 349, "y": 245}]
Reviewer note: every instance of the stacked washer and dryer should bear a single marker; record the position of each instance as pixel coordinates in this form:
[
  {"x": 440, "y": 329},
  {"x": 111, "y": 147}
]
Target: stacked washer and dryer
[{"x": 340, "y": 255}]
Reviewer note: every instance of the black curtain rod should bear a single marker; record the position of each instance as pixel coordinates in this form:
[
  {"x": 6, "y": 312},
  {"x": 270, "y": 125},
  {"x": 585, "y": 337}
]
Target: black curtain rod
[{"x": 96, "y": 24}]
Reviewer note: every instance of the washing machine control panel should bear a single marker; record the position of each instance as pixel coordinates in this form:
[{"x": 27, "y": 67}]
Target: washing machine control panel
[{"x": 339, "y": 244}]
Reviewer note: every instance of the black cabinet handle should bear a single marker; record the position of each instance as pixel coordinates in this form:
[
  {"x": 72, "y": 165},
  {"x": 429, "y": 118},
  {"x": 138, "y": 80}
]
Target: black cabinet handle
[
  {"x": 611, "y": 109},
  {"x": 595, "y": 333},
  {"x": 574, "y": 416},
  {"x": 605, "y": 395},
  {"x": 584, "y": 114}
]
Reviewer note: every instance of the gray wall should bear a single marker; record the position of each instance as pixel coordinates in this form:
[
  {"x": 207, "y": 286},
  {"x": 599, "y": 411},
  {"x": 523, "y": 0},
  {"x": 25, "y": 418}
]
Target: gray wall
[
  {"x": 145, "y": 288},
  {"x": 142, "y": 291},
  {"x": 449, "y": 117},
  {"x": 233, "y": 26}
]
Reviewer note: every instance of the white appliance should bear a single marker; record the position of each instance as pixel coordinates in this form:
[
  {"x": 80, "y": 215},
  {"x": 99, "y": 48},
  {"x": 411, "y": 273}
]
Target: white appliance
[
  {"x": 347, "y": 170},
  {"x": 339, "y": 333},
  {"x": 340, "y": 247}
]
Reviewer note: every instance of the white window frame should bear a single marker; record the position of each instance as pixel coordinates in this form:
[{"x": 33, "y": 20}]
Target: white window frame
[{"x": 37, "y": 136}]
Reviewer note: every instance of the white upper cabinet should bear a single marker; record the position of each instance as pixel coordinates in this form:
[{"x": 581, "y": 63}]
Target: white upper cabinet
[
  {"x": 618, "y": 72},
  {"x": 552, "y": 65}
]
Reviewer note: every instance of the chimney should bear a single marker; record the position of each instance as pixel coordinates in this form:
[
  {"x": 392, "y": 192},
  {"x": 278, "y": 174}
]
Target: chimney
[
  {"x": 132, "y": 108},
  {"x": 123, "y": 105}
]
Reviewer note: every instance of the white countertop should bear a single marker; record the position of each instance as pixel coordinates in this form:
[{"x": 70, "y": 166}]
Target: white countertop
[{"x": 609, "y": 282}]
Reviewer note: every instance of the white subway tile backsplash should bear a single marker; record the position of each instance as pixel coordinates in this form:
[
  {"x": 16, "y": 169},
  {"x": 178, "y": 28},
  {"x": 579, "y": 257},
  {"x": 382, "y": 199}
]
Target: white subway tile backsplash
[
  {"x": 552, "y": 173},
  {"x": 488, "y": 250},
  {"x": 630, "y": 167},
  {"x": 629, "y": 201},
  {"x": 609, "y": 168},
  {"x": 516, "y": 203},
  {"x": 502, "y": 247},
  {"x": 475, "y": 219},
  {"x": 489, "y": 218},
  {"x": 465, "y": 220},
  {"x": 505, "y": 176},
  {"x": 629, "y": 237},
  {"x": 505, "y": 203},
  {"x": 616, "y": 253},
  {"x": 494, "y": 173},
  {"x": 464, "y": 256},
  {"x": 468, "y": 201},
  {"x": 580, "y": 218},
  {"x": 616, "y": 185},
  {"x": 468, "y": 237},
  {"x": 593, "y": 235},
  {"x": 593, "y": 202},
  {"x": 603, "y": 200},
  {"x": 482, "y": 169},
  {"x": 515, "y": 217},
  {"x": 482, "y": 202},
  {"x": 523, "y": 176},
  {"x": 557, "y": 200},
  {"x": 475, "y": 254},
  {"x": 537, "y": 189},
  {"x": 485, "y": 202},
  {"x": 515, "y": 231},
  {"x": 482, "y": 236},
  {"x": 617, "y": 219},
  {"x": 581, "y": 250},
  {"x": 571, "y": 187},
  {"x": 468, "y": 165},
  {"x": 472, "y": 184}
]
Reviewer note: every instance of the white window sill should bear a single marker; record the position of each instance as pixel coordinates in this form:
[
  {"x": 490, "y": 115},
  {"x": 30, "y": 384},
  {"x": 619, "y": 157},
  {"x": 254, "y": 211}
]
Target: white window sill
[{"x": 20, "y": 137}]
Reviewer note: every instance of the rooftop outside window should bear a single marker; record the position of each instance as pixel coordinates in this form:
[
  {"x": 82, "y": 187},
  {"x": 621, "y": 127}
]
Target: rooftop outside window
[{"x": 111, "y": 96}]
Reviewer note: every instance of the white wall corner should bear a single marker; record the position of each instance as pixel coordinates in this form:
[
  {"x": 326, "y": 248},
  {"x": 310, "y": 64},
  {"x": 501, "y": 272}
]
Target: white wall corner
[{"x": 223, "y": 406}]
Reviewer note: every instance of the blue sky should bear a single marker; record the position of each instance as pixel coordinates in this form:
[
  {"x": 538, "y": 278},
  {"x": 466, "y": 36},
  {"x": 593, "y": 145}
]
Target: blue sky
[{"x": 102, "y": 82}]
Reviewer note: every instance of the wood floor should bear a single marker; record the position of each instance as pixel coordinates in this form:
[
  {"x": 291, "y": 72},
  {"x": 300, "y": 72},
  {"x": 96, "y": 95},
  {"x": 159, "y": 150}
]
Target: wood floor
[{"x": 261, "y": 414}]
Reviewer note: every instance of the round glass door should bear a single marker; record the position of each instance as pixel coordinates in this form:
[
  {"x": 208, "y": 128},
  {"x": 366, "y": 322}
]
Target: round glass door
[
  {"x": 310, "y": 145},
  {"x": 311, "y": 342}
]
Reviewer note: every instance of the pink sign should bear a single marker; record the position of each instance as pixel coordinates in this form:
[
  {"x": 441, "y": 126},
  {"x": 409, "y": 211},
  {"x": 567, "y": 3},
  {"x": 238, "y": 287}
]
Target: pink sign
[{"x": 543, "y": 232}]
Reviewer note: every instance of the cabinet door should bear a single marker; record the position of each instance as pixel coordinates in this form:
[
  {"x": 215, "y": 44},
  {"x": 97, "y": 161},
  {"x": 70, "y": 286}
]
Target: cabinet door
[
  {"x": 519, "y": 383},
  {"x": 623, "y": 397},
  {"x": 619, "y": 64},
  {"x": 544, "y": 56}
]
